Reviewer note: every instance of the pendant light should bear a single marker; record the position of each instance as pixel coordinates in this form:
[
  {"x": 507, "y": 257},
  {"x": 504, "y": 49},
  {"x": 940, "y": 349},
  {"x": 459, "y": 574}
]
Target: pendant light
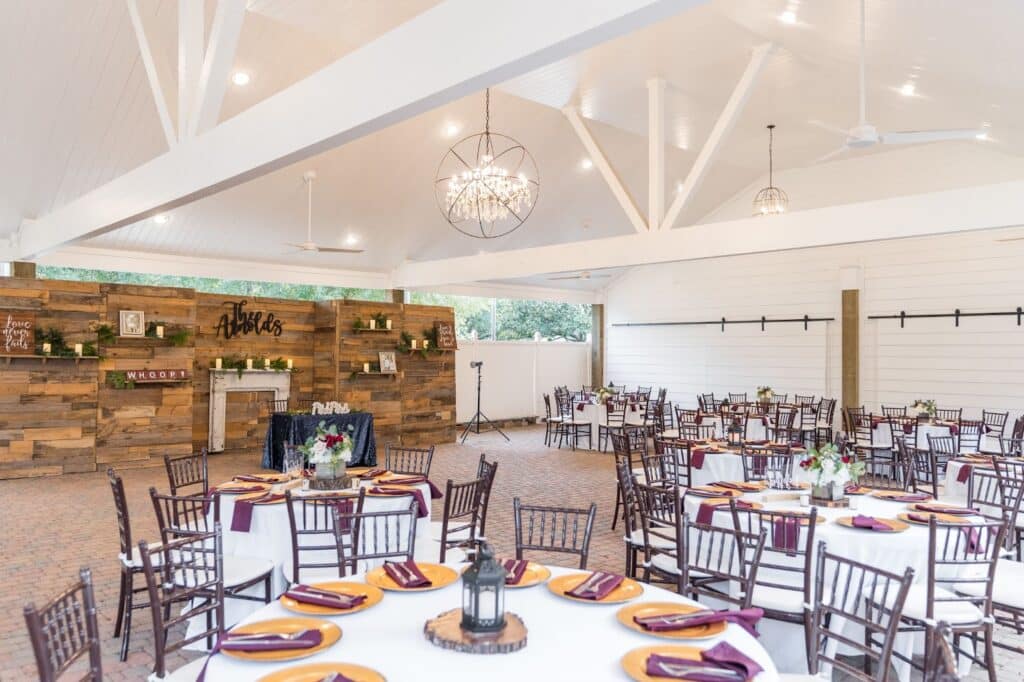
[{"x": 771, "y": 200}]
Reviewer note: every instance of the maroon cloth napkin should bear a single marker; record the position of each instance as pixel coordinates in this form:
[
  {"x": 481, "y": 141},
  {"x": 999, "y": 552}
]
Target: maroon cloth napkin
[
  {"x": 757, "y": 442},
  {"x": 745, "y": 618},
  {"x": 271, "y": 642},
  {"x": 974, "y": 543},
  {"x": 422, "y": 511},
  {"x": 580, "y": 407},
  {"x": 909, "y": 497},
  {"x": 697, "y": 458},
  {"x": 730, "y": 485},
  {"x": 335, "y": 677},
  {"x": 249, "y": 478},
  {"x": 920, "y": 518},
  {"x": 514, "y": 570},
  {"x": 698, "y": 419},
  {"x": 241, "y": 519},
  {"x": 786, "y": 534},
  {"x": 406, "y": 573},
  {"x": 239, "y": 489},
  {"x": 606, "y": 583},
  {"x": 964, "y": 474},
  {"x": 953, "y": 511},
  {"x": 306, "y": 594},
  {"x": 722, "y": 656},
  {"x": 954, "y": 429},
  {"x": 345, "y": 506},
  {"x": 435, "y": 492},
  {"x": 869, "y": 522},
  {"x": 373, "y": 473},
  {"x": 707, "y": 511}
]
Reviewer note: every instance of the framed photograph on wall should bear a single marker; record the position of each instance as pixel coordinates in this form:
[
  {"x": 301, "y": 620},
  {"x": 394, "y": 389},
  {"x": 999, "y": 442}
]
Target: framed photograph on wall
[
  {"x": 388, "y": 365},
  {"x": 133, "y": 323}
]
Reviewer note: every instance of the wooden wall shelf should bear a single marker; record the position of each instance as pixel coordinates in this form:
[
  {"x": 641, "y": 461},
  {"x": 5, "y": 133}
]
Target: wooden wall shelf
[
  {"x": 45, "y": 358},
  {"x": 360, "y": 330},
  {"x": 376, "y": 374}
]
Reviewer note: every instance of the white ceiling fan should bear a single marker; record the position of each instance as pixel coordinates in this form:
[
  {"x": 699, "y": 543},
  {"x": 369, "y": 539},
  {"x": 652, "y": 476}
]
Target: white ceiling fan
[
  {"x": 585, "y": 274},
  {"x": 866, "y": 135},
  {"x": 309, "y": 245}
]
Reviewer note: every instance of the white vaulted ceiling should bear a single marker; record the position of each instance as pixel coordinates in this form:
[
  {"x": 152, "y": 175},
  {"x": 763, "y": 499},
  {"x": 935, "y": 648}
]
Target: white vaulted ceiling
[{"x": 78, "y": 112}]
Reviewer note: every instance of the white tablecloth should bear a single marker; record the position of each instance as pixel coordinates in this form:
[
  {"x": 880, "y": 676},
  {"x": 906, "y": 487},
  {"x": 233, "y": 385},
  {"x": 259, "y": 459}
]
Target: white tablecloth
[
  {"x": 883, "y": 437},
  {"x": 596, "y": 415},
  {"x": 725, "y": 466},
  {"x": 567, "y": 640}
]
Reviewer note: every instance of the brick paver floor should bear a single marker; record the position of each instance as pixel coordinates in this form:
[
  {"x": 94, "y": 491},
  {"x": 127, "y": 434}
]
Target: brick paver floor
[{"x": 50, "y": 527}]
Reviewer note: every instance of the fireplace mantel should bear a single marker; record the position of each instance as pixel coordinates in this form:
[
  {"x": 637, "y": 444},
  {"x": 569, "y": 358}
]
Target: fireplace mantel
[{"x": 224, "y": 381}]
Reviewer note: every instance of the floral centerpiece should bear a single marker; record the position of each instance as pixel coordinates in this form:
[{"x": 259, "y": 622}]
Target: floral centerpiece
[
  {"x": 765, "y": 393},
  {"x": 834, "y": 471},
  {"x": 330, "y": 451},
  {"x": 604, "y": 393},
  {"x": 923, "y": 408}
]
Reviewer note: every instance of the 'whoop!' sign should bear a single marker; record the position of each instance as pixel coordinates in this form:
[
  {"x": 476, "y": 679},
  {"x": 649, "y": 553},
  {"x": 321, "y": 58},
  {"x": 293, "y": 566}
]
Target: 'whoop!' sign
[{"x": 156, "y": 376}]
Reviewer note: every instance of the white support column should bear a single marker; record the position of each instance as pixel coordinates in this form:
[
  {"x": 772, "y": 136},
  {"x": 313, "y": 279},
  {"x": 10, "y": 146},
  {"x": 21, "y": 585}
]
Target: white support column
[
  {"x": 655, "y": 152},
  {"x": 154, "y": 81},
  {"x": 622, "y": 194},
  {"x": 723, "y": 126},
  {"x": 191, "y": 26},
  {"x": 220, "y": 56}
]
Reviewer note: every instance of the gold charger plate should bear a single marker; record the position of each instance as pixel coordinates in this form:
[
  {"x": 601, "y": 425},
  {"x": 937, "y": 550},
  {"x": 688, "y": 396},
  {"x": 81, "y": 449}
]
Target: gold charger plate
[
  {"x": 235, "y": 487},
  {"x": 331, "y": 634},
  {"x": 745, "y": 486},
  {"x": 373, "y": 597},
  {"x": 253, "y": 496},
  {"x": 943, "y": 519},
  {"x": 723, "y": 502},
  {"x": 635, "y": 661},
  {"x": 268, "y": 478},
  {"x": 314, "y": 672},
  {"x": 894, "y": 525},
  {"x": 534, "y": 574},
  {"x": 626, "y": 614},
  {"x": 439, "y": 576},
  {"x": 404, "y": 489},
  {"x": 895, "y": 496},
  {"x": 628, "y": 590},
  {"x": 711, "y": 491},
  {"x": 860, "y": 490}
]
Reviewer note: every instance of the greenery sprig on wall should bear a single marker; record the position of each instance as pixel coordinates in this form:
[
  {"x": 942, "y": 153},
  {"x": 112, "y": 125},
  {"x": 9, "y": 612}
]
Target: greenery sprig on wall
[
  {"x": 237, "y": 363},
  {"x": 177, "y": 338},
  {"x": 405, "y": 344},
  {"x": 380, "y": 318},
  {"x": 119, "y": 380},
  {"x": 58, "y": 346}
]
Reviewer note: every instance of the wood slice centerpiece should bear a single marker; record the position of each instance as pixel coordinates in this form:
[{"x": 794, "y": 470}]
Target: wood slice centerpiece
[{"x": 446, "y": 632}]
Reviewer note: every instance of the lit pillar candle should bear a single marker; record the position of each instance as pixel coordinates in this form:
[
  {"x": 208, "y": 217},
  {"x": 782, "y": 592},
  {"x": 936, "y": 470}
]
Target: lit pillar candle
[
  {"x": 366, "y": 368},
  {"x": 159, "y": 331},
  {"x": 291, "y": 365},
  {"x": 78, "y": 349},
  {"x": 387, "y": 323},
  {"x": 47, "y": 348},
  {"x": 248, "y": 363},
  {"x": 266, "y": 363},
  {"x": 218, "y": 363},
  {"x": 426, "y": 343},
  {"x": 373, "y": 323},
  {"x": 414, "y": 344}
]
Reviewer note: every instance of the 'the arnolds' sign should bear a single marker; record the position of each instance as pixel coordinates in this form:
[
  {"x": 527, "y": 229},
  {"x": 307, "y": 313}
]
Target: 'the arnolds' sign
[{"x": 241, "y": 321}]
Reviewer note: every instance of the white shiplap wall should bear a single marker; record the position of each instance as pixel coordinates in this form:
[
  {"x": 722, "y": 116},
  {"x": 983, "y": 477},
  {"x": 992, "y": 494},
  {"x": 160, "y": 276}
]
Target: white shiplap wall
[{"x": 978, "y": 365}]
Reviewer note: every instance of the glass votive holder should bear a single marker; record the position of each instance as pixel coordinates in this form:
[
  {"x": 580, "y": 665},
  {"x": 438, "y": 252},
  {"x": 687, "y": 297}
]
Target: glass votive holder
[
  {"x": 805, "y": 500},
  {"x": 854, "y": 502}
]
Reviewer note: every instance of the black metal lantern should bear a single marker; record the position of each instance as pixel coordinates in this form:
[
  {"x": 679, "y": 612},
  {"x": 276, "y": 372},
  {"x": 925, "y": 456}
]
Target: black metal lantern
[
  {"x": 734, "y": 432},
  {"x": 483, "y": 593}
]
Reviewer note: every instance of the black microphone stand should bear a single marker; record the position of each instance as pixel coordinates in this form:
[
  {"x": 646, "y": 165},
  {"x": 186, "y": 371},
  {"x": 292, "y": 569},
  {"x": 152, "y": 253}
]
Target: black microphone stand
[{"x": 479, "y": 417}]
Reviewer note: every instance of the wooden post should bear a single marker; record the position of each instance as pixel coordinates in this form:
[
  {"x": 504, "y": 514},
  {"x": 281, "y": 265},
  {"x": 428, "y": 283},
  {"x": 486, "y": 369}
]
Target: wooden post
[
  {"x": 398, "y": 296},
  {"x": 23, "y": 270},
  {"x": 851, "y": 348},
  {"x": 597, "y": 345}
]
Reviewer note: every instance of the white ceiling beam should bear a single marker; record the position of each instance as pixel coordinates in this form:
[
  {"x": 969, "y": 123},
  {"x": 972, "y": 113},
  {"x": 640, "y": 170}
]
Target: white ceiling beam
[
  {"x": 655, "y": 152},
  {"x": 525, "y": 292},
  {"x": 220, "y": 57},
  {"x": 191, "y": 27},
  {"x": 611, "y": 178},
  {"x": 724, "y": 124},
  {"x": 967, "y": 209},
  {"x": 388, "y": 80},
  {"x": 151, "y": 75}
]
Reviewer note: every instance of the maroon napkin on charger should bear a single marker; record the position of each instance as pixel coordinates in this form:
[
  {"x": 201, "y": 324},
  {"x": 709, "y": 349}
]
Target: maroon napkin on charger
[
  {"x": 435, "y": 492},
  {"x": 723, "y": 656},
  {"x": 786, "y": 534},
  {"x": 964, "y": 474},
  {"x": 870, "y": 523},
  {"x": 238, "y": 489},
  {"x": 249, "y": 478},
  {"x": 423, "y": 510},
  {"x": 745, "y": 618},
  {"x": 400, "y": 572},
  {"x": 335, "y": 677},
  {"x": 241, "y": 519},
  {"x": 606, "y": 583},
  {"x": 373, "y": 473},
  {"x": 271, "y": 642},
  {"x": 920, "y": 518},
  {"x": 730, "y": 485},
  {"x": 306, "y": 594},
  {"x": 697, "y": 458},
  {"x": 938, "y": 509},
  {"x": 909, "y": 497},
  {"x": 707, "y": 511},
  {"x": 514, "y": 570}
]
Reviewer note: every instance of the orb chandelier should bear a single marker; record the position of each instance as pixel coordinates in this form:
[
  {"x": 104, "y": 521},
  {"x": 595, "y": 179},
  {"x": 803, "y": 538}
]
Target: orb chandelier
[
  {"x": 771, "y": 200},
  {"x": 487, "y": 184}
]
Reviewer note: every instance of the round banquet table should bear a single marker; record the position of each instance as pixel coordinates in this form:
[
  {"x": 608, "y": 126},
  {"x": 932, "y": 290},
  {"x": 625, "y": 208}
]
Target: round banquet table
[
  {"x": 597, "y": 415},
  {"x": 892, "y": 552},
  {"x": 726, "y": 466},
  {"x": 988, "y": 442},
  {"x": 270, "y": 537},
  {"x": 566, "y": 641}
]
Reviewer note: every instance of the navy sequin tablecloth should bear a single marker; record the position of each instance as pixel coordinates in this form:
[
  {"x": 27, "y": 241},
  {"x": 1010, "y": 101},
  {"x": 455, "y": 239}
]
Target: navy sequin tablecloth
[{"x": 296, "y": 428}]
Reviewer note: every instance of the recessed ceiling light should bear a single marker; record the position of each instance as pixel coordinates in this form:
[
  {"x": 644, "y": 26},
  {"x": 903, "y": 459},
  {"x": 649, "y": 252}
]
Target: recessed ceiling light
[
  {"x": 451, "y": 129},
  {"x": 161, "y": 219},
  {"x": 983, "y": 135},
  {"x": 241, "y": 78},
  {"x": 907, "y": 89},
  {"x": 351, "y": 240},
  {"x": 586, "y": 163},
  {"x": 788, "y": 17}
]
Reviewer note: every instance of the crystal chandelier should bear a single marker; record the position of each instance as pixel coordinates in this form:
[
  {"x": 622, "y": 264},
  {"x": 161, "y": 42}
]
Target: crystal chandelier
[
  {"x": 487, "y": 184},
  {"x": 771, "y": 200}
]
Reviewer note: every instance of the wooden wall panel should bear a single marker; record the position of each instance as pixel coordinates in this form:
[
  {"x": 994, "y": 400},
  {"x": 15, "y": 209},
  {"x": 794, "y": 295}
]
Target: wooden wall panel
[{"x": 428, "y": 383}]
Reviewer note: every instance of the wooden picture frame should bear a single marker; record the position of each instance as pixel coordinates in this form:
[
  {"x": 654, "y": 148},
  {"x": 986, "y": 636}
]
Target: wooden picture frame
[
  {"x": 445, "y": 332},
  {"x": 388, "y": 363},
  {"x": 132, "y": 323}
]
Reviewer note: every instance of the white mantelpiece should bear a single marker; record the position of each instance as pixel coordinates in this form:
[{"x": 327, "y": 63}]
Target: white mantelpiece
[{"x": 224, "y": 381}]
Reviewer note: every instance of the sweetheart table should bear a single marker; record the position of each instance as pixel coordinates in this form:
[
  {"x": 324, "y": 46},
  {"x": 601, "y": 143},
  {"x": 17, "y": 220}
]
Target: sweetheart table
[{"x": 566, "y": 640}]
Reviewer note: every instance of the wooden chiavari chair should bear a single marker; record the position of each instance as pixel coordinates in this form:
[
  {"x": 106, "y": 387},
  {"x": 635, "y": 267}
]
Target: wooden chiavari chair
[
  {"x": 551, "y": 421},
  {"x": 861, "y": 428},
  {"x": 403, "y": 459},
  {"x": 189, "y": 571},
  {"x": 276, "y": 406},
  {"x": 720, "y": 562},
  {"x": 679, "y": 463},
  {"x": 943, "y": 449},
  {"x": 186, "y": 471},
  {"x": 782, "y": 582},
  {"x": 803, "y": 400},
  {"x": 696, "y": 432},
  {"x": 826, "y": 415},
  {"x": 486, "y": 470},
  {"x": 614, "y": 422},
  {"x": 562, "y": 530},
  {"x": 767, "y": 464},
  {"x": 782, "y": 428},
  {"x": 993, "y": 424},
  {"x": 925, "y": 473},
  {"x": 884, "y": 473},
  {"x": 737, "y": 398},
  {"x": 633, "y": 534},
  {"x": 314, "y": 543},
  {"x": 871, "y": 600},
  {"x": 460, "y": 521},
  {"x": 954, "y": 418},
  {"x": 888, "y": 411},
  {"x": 625, "y": 454},
  {"x": 1007, "y": 595},
  {"x": 1010, "y": 473},
  {"x": 779, "y": 399},
  {"x": 1011, "y": 447},
  {"x": 905, "y": 428},
  {"x": 941, "y": 666},
  {"x": 64, "y": 630},
  {"x": 707, "y": 402},
  {"x": 662, "y": 528},
  {"x": 183, "y": 516},
  {"x": 661, "y": 469},
  {"x": 376, "y": 537},
  {"x": 569, "y": 428}
]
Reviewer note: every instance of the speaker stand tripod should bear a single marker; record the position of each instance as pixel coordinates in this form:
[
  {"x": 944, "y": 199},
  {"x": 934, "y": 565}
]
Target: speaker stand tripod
[{"x": 479, "y": 418}]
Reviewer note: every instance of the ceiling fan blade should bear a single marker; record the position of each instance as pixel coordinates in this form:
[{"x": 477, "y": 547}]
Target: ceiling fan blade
[
  {"x": 920, "y": 136},
  {"x": 828, "y": 127},
  {"x": 332, "y": 249},
  {"x": 566, "y": 277},
  {"x": 832, "y": 154},
  {"x": 1010, "y": 239}
]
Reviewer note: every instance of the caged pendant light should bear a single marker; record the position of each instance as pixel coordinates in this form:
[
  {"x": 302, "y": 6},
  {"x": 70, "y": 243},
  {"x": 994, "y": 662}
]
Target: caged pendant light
[{"x": 771, "y": 200}]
